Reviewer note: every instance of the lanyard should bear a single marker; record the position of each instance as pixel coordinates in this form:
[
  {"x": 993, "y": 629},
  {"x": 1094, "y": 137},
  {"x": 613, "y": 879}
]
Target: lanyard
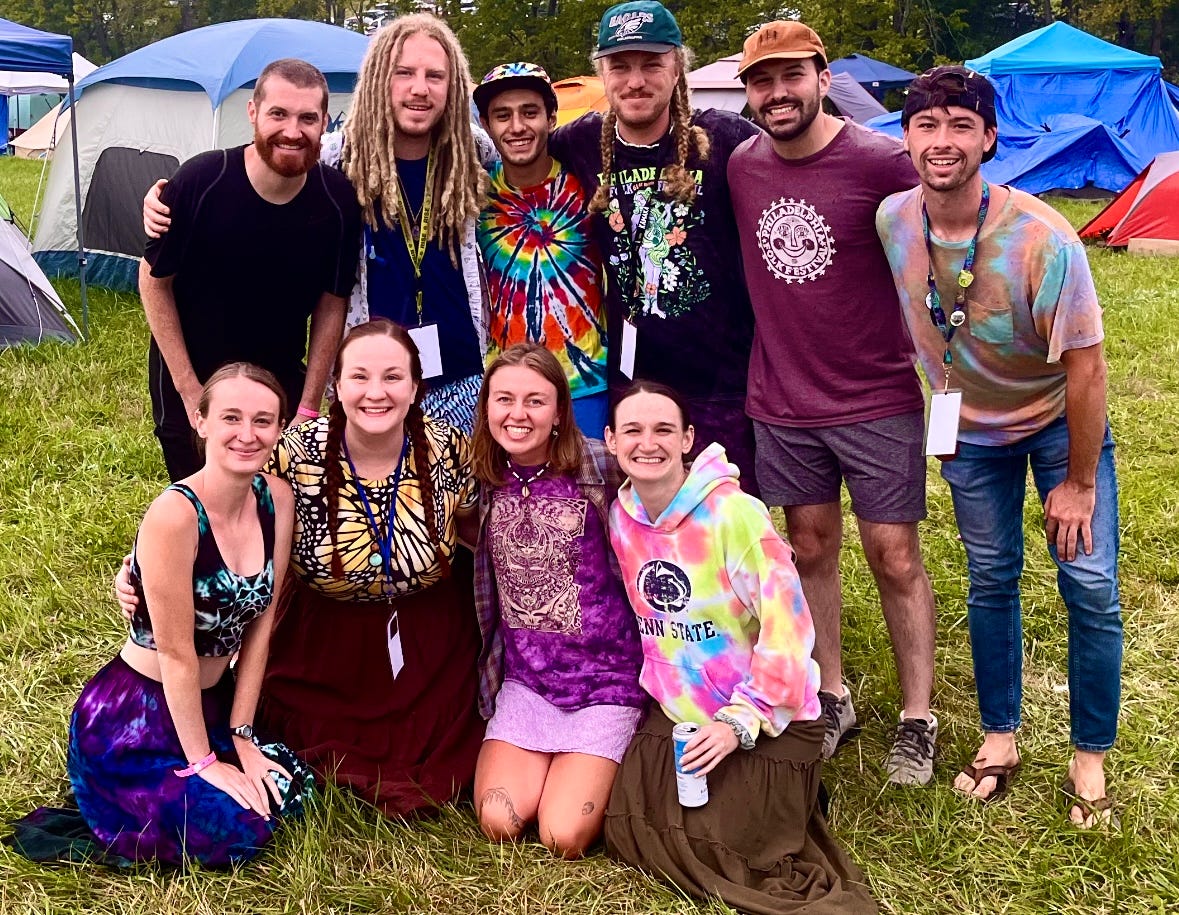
[
  {"x": 933, "y": 301},
  {"x": 383, "y": 544},
  {"x": 416, "y": 246}
]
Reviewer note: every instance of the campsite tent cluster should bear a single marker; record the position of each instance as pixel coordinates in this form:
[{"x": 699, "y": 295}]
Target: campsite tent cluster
[{"x": 1074, "y": 113}]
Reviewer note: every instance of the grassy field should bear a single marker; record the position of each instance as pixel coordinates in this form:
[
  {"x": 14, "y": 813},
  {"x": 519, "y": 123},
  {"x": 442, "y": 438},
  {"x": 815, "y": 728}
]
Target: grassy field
[{"x": 78, "y": 465}]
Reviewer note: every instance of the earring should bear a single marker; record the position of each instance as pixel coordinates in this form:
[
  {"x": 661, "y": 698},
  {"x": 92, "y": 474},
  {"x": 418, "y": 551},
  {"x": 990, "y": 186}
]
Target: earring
[{"x": 555, "y": 432}]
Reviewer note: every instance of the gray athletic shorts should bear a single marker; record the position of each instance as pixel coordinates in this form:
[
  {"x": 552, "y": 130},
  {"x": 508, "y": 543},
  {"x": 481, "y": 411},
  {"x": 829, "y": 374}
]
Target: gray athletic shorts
[{"x": 881, "y": 460}]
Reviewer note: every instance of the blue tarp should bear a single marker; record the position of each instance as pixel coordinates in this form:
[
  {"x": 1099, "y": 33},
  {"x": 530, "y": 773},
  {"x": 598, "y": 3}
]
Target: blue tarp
[
  {"x": 1073, "y": 112},
  {"x": 221, "y": 58},
  {"x": 1173, "y": 92},
  {"x": 32, "y": 51},
  {"x": 872, "y": 74}
]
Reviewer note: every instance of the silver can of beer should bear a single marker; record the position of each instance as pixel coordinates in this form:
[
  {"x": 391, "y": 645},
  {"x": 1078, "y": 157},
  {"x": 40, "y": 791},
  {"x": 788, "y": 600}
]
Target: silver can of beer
[{"x": 692, "y": 789}]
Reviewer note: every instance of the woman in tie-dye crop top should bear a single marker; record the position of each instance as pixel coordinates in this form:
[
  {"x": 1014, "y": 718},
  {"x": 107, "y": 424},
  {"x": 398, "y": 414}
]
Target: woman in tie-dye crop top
[
  {"x": 163, "y": 760},
  {"x": 727, "y": 639}
]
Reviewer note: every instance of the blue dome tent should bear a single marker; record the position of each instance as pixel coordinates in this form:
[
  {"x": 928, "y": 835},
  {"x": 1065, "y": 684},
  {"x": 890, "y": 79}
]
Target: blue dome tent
[{"x": 874, "y": 75}]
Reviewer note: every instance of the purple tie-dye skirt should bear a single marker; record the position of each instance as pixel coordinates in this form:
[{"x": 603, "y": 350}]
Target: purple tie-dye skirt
[{"x": 123, "y": 751}]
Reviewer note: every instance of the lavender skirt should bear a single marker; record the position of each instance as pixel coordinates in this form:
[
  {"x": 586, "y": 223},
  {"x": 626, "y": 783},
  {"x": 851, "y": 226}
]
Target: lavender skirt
[
  {"x": 531, "y": 722},
  {"x": 123, "y": 751}
]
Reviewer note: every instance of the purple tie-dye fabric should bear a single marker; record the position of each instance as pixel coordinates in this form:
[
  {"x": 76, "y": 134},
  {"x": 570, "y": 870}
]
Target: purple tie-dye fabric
[
  {"x": 123, "y": 753},
  {"x": 568, "y": 630}
]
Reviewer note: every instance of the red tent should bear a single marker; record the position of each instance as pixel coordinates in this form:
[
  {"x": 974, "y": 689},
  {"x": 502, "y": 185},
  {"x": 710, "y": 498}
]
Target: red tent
[{"x": 1148, "y": 208}]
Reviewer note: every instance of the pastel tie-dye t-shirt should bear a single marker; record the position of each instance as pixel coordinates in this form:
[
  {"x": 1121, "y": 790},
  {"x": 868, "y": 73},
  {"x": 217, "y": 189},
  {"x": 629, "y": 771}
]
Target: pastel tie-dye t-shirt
[
  {"x": 725, "y": 628},
  {"x": 1031, "y": 300},
  {"x": 543, "y": 272}
]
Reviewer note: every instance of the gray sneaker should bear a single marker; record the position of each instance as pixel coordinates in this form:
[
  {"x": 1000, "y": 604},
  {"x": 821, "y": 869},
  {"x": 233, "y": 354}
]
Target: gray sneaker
[
  {"x": 839, "y": 718},
  {"x": 910, "y": 761}
]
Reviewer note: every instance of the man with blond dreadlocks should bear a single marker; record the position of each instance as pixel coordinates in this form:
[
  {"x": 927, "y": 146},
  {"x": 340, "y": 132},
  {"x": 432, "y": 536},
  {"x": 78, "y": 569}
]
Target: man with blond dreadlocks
[
  {"x": 409, "y": 150},
  {"x": 677, "y": 308}
]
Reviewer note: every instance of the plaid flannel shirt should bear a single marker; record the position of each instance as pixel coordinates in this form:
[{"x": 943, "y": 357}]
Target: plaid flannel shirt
[{"x": 598, "y": 479}]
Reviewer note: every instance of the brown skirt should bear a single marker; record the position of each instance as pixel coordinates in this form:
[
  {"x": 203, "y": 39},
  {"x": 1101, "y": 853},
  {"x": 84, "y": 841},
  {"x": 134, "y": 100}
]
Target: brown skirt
[
  {"x": 760, "y": 843},
  {"x": 405, "y": 745}
]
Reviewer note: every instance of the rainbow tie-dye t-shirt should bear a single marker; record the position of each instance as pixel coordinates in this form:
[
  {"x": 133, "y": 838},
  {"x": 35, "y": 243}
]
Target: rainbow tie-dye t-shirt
[
  {"x": 1032, "y": 299},
  {"x": 543, "y": 272}
]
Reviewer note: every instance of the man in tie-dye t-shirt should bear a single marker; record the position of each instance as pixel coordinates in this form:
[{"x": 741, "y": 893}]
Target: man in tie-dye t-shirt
[
  {"x": 542, "y": 264},
  {"x": 998, "y": 297}
]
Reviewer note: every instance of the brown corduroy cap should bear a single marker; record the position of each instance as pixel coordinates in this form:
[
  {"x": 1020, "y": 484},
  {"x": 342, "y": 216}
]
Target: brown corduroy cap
[{"x": 781, "y": 40}]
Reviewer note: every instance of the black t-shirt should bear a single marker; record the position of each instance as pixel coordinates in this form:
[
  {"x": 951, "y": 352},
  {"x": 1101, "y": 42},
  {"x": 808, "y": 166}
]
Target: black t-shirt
[
  {"x": 674, "y": 269},
  {"x": 248, "y": 273}
]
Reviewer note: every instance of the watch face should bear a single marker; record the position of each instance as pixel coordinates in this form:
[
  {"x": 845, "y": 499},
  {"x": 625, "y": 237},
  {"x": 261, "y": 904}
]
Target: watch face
[{"x": 245, "y": 731}]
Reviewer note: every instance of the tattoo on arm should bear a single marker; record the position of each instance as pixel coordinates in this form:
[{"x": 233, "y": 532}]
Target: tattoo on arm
[
  {"x": 587, "y": 808},
  {"x": 501, "y": 796}
]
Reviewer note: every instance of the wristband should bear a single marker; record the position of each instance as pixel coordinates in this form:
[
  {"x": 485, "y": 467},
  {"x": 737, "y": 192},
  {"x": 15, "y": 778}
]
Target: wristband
[
  {"x": 198, "y": 766},
  {"x": 308, "y": 412}
]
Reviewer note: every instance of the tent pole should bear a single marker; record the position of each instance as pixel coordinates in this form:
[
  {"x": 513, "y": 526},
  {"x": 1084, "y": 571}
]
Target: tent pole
[{"x": 78, "y": 210}]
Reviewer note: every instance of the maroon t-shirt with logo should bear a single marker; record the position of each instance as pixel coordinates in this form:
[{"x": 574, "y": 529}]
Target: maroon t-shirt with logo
[{"x": 830, "y": 345}]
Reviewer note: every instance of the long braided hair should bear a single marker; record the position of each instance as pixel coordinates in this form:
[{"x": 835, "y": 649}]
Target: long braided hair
[
  {"x": 678, "y": 182},
  {"x": 415, "y": 427},
  {"x": 369, "y": 154}
]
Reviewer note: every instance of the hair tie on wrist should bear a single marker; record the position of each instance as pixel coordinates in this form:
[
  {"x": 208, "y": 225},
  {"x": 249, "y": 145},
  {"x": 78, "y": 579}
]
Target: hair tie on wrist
[{"x": 198, "y": 766}]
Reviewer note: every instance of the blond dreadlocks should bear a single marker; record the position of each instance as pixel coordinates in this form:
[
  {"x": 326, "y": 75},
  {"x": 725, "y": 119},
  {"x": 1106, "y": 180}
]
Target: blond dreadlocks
[
  {"x": 368, "y": 157},
  {"x": 678, "y": 182}
]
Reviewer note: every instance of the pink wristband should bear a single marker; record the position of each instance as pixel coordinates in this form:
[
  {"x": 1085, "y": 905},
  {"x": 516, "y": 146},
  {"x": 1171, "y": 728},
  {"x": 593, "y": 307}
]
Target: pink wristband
[
  {"x": 194, "y": 768},
  {"x": 309, "y": 413}
]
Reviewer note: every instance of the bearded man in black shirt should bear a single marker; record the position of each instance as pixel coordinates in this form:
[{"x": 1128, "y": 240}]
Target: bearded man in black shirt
[{"x": 262, "y": 238}]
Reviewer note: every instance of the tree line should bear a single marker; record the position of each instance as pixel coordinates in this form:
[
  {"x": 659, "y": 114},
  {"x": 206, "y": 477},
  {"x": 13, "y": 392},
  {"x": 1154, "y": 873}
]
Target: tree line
[{"x": 559, "y": 34}]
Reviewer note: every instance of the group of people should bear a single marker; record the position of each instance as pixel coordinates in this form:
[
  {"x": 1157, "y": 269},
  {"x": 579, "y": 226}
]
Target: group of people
[{"x": 472, "y": 599}]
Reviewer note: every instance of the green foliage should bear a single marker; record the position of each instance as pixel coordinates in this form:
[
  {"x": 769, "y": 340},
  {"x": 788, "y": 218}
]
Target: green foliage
[
  {"x": 560, "y": 34},
  {"x": 78, "y": 465}
]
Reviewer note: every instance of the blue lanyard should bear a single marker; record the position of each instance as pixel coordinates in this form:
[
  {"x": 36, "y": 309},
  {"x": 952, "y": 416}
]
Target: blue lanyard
[
  {"x": 933, "y": 301},
  {"x": 383, "y": 542}
]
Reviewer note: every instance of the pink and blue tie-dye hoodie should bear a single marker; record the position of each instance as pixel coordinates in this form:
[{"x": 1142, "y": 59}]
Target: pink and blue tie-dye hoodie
[{"x": 727, "y": 634}]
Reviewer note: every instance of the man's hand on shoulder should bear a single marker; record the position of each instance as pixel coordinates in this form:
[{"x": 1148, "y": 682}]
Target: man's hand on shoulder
[{"x": 1068, "y": 515}]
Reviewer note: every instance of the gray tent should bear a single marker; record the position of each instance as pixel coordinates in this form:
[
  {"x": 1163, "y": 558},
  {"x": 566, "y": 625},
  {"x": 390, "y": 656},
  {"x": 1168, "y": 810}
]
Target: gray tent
[
  {"x": 30, "y": 310},
  {"x": 716, "y": 86}
]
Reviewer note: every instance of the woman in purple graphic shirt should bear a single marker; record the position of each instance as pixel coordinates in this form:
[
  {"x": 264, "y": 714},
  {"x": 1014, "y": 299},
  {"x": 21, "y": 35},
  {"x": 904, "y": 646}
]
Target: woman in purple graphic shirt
[{"x": 564, "y": 699}]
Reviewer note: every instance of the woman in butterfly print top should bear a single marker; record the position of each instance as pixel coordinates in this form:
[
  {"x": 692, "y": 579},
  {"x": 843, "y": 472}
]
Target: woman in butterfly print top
[
  {"x": 560, "y": 637},
  {"x": 372, "y": 676}
]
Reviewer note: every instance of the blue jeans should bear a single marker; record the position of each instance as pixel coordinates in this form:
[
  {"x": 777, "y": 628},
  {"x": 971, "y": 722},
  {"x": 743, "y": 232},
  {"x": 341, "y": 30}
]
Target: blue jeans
[{"x": 988, "y": 486}]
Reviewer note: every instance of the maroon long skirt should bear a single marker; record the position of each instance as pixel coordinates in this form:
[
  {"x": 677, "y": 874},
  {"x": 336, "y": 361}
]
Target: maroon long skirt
[{"x": 405, "y": 745}]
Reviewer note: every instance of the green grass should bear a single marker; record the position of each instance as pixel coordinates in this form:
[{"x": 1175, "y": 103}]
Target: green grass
[
  {"x": 19, "y": 187},
  {"x": 78, "y": 465}
]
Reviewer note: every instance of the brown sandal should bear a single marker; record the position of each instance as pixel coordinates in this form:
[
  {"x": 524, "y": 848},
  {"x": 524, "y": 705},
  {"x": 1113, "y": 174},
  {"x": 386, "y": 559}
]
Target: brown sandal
[
  {"x": 1100, "y": 810},
  {"x": 1001, "y": 774}
]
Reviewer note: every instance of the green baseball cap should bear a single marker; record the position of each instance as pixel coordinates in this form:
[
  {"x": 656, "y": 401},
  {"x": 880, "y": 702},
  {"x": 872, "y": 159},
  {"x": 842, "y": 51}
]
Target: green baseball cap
[{"x": 640, "y": 25}]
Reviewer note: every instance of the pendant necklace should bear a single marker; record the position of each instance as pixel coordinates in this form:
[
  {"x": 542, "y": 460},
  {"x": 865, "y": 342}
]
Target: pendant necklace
[{"x": 524, "y": 482}]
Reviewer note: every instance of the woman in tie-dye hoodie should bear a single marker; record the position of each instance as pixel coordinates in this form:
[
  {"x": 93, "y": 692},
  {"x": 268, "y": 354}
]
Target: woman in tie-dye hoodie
[{"x": 727, "y": 639}]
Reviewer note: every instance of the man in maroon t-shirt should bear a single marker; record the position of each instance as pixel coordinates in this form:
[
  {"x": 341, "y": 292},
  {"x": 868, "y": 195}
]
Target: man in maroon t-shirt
[{"x": 833, "y": 392}]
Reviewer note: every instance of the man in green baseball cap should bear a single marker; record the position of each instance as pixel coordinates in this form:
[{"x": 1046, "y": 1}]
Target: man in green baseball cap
[{"x": 677, "y": 308}]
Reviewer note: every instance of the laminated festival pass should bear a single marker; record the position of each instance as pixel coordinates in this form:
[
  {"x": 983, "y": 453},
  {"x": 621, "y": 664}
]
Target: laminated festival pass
[
  {"x": 945, "y": 408},
  {"x": 426, "y": 338}
]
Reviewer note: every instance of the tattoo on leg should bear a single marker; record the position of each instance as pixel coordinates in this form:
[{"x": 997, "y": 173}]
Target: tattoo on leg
[
  {"x": 587, "y": 808},
  {"x": 501, "y": 796}
]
